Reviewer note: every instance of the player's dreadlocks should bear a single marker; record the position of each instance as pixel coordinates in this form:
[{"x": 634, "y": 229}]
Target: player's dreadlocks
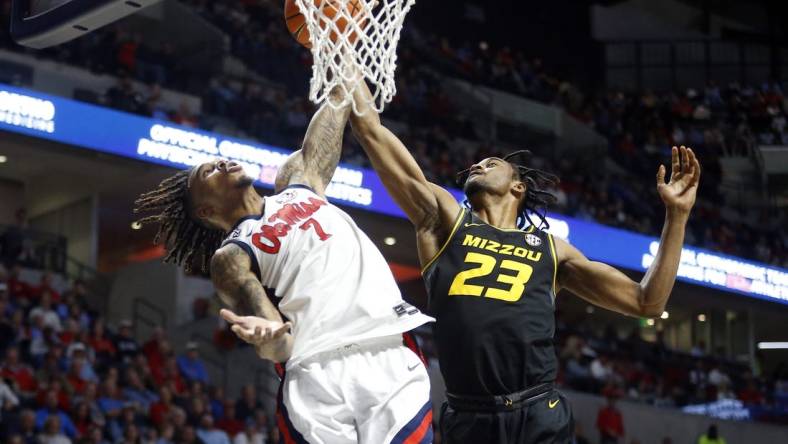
[
  {"x": 536, "y": 200},
  {"x": 185, "y": 237}
]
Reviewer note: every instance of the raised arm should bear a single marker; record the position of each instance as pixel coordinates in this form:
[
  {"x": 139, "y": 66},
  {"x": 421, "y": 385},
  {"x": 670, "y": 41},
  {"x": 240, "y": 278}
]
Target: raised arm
[
  {"x": 427, "y": 205},
  {"x": 239, "y": 288},
  {"x": 314, "y": 164},
  {"x": 607, "y": 287}
]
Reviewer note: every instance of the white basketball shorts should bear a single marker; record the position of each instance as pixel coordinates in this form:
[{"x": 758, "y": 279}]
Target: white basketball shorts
[{"x": 375, "y": 392}]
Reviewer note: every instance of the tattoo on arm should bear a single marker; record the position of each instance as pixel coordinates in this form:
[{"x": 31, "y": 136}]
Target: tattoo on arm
[
  {"x": 237, "y": 286},
  {"x": 323, "y": 142}
]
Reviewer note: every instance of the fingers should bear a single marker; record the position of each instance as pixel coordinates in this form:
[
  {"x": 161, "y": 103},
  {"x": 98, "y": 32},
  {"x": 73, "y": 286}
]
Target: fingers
[
  {"x": 661, "y": 175},
  {"x": 694, "y": 175},
  {"x": 684, "y": 159},
  {"x": 229, "y": 316},
  {"x": 280, "y": 331},
  {"x": 261, "y": 335},
  {"x": 675, "y": 163}
]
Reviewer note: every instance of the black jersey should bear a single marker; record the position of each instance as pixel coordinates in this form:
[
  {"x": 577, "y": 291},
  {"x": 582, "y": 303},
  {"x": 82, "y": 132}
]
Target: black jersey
[{"x": 492, "y": 292}]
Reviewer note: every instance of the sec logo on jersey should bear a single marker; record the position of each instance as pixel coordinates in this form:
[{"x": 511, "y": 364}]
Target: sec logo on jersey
[
  {"x": 285, "y": 197},
  {"x": 533, "y": 240}
]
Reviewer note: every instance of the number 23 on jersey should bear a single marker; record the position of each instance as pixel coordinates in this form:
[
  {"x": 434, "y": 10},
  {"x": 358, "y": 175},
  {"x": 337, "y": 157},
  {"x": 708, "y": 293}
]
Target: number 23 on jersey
[{"x": 513, "y": 283}]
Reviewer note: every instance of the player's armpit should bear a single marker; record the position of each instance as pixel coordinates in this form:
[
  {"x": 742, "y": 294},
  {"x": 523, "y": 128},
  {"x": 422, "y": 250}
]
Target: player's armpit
[{"x": 598, "y": 283}]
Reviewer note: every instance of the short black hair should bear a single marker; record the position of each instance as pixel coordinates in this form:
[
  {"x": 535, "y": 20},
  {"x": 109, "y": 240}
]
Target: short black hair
[
  {"x": 186, "y": 238},
  {"x": 536, "y": 200}
]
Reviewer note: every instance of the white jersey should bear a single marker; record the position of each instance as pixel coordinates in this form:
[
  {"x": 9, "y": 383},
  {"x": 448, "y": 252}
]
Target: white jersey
[{"x": 327, "y": 276}]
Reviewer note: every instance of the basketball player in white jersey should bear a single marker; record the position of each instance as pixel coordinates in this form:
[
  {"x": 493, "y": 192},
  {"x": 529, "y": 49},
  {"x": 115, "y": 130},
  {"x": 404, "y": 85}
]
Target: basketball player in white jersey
[{"x": 349, "y": 377}]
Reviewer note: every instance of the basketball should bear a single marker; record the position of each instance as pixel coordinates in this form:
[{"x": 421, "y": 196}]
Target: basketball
[{"x": 296, "y": 23}]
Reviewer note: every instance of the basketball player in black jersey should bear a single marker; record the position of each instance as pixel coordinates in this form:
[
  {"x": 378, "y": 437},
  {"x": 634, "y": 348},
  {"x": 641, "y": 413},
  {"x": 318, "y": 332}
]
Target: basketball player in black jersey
[{"x": 492, "y": 285}]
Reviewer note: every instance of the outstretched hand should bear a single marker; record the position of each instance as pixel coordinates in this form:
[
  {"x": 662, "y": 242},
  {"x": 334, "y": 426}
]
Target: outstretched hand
[
  {"x": 255, "y": 330},
  {"x": 679, "y": 194}
]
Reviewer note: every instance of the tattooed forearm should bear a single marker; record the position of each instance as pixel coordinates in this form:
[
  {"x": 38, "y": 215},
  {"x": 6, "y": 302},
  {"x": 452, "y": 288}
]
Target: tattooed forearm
[{"x": 323, "y": 142}]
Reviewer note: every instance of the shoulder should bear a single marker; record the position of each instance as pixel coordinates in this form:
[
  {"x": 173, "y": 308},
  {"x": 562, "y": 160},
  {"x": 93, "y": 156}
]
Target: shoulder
[
  {"x": 564, "y": 251},
  {"x": 227, "y": 260}
]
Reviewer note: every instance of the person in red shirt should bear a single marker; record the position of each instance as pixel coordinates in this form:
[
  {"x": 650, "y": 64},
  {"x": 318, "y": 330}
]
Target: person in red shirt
[
  {"x": 46, "y": 285},
  {"x": 103, "y": 346},
  {"x": 12, "y": 369},
  {"x": 74, "y": 377},
  {"x": 229, "y": 423},
  {"x": 610, "y": 423},
  {"x": 160, "y": 408},
  {"x": 750, "y": 395},
  {"x": 17, "y": 288}
]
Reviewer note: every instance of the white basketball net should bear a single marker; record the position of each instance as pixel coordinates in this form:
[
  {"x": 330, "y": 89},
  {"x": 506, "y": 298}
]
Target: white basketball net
[{"x": 367, "y": 46}]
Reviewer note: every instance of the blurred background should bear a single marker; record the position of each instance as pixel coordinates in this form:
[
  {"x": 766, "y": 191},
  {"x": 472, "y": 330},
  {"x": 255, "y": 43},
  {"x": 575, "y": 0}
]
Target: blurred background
[{"x": 101, "y": 343}]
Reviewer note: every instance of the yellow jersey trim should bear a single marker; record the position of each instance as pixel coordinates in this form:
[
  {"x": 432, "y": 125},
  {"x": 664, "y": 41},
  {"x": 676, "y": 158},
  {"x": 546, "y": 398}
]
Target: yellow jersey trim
[
  {"x": 460, "y": 217},
  {"x": 555, "y": 261},
  {"x": 512, "y": 230}
]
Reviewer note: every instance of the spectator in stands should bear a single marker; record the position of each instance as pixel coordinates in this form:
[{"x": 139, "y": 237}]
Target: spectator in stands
[
  {"x": 750, "y": 395},
  {"x": 188, "y": 436},
  {"x": 9, "y": 401},
  {"x": 14, "y": 242},
  {"x": 191, "y": 366},
  {"x": 261, "y": 421},
  {"x": 24, "y": 427},
  {"x": 104, "y": 348},
  {"x": 50, "y": 410},
  {"x": 90, "y": 398},
  {"x": 717, "y": 377},
  {"x": 119, "y": 425},
  {"x": 217, "y": 402},
  {"x": 125, "y": 343},
  {"x": 49, "y": 317},
  {"x": 252, "y": 435},
  {"x": 111, "y": 402},
  {"x": 18, "y": 373},
  {"x": 136, "y": 391},
  {"x": 82, "y": 355},
  {"x": 161, "y": 408},
  {"x": 601, "y": 369},
  {"x": 229, "y": 423},
  {"x": 184, "y": 116},
  {"x": 711, "y": 436},
  {"x": 151, "y": 348},
  {"x": 52, "y": 432},
  {"x": 209, "y": 434},
  {"x": 169, "y": 374},
  {"x": 122, "y": 96},
  {"x": 96, "y": 436},
  {"x": 46, "y": 285},
  {"x": 83, "y": 421},
  {"x": 166, "y": 434},
  {"x": 610, "y": 423},
  {"x": 246, "y": 406}
]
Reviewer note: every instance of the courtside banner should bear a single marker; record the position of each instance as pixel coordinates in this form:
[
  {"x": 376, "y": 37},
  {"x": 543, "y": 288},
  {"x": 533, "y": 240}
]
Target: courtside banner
[{"x": 87, "y": 126}]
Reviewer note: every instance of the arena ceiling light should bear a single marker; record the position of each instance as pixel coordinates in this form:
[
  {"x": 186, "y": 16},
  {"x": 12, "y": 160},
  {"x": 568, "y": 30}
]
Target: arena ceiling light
[
  {"x": 3, "y": 159},
  {"x": 665, "y": 315},
  {"x": 136, "y": 225},
  {"x": 701, "y": 317},
  {"x": 773, "y": 346},
  {"x": 390, "y": 241}
]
